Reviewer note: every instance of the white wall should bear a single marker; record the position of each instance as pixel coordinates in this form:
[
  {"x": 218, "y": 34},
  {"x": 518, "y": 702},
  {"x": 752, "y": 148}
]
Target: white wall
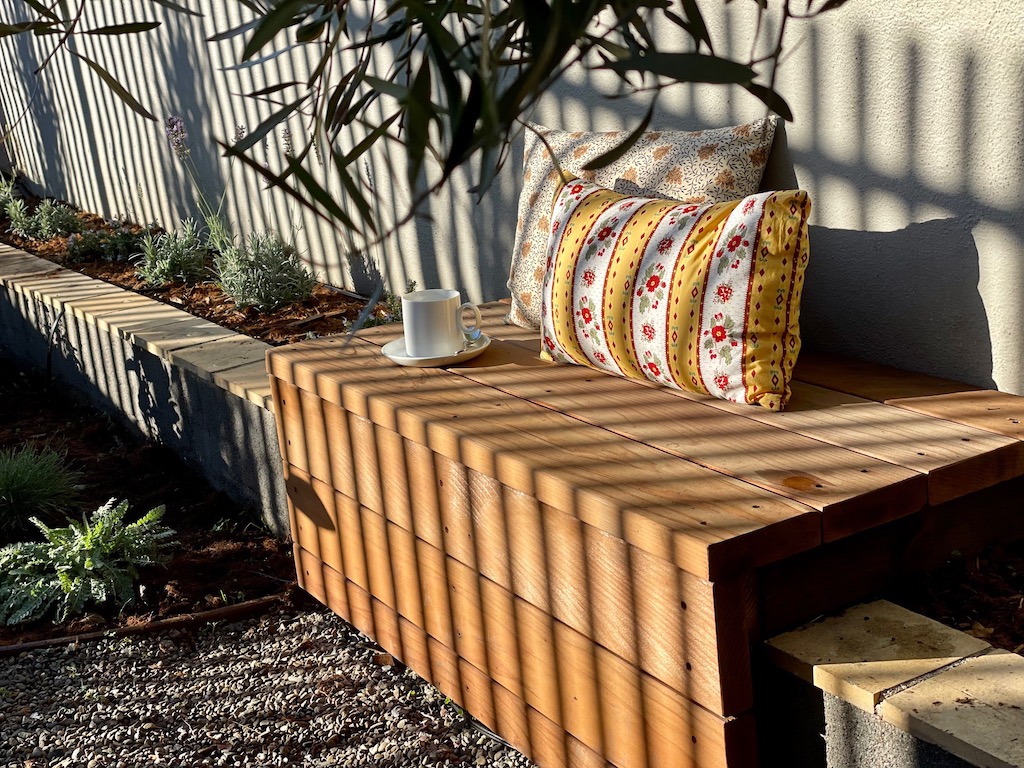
[{"x": 907, "y": 135}]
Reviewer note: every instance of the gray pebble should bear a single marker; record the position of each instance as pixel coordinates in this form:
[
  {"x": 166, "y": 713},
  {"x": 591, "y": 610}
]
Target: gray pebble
[{"x": 272, "y": 691}]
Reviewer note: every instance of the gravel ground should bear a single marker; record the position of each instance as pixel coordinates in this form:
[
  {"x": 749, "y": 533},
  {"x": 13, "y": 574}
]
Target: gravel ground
[{"x": 297, "y": 690}]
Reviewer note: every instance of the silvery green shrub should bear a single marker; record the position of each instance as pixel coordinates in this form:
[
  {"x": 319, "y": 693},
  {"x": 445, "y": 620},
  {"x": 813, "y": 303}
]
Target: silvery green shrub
[
  {"x": 266, "y": 273},
  {"x": 49, "y": 220},
  {"x": 90, "y": 563},
  {"x": 172, "y": 256},
  {"x": 6, "y": 191}
]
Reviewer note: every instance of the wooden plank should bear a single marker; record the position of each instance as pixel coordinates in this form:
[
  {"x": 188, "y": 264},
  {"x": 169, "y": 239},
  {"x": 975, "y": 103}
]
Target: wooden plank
[
  {"x": 620, "y": 486},
  {"x": 845, "y": 572},
  {"x": 870, "y": 380},
  {"x": 958, "y": 459},
  {"x": 987, "y": 410},
  {"x": 691, "y": 634},
  {"x": 631, "y": 719},
  {"x": 851, "y": 489},
  {"x": 998, "y": 412}
]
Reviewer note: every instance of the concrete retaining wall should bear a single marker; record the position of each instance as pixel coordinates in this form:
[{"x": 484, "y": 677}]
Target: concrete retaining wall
[{"x": 176, "y": 379}]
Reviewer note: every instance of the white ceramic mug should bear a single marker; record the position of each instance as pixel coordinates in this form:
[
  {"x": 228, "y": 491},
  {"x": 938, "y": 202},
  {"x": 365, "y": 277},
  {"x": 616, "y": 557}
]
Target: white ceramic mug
[{"x": 433, "y": 323}]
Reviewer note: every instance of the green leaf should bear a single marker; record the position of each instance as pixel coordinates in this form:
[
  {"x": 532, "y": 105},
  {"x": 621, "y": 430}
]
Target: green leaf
[
  {"x": 771, "y": 99},
  {"x": 261, "y": 130},
  {"x": 273, "y": 88},
  {"x": 369, "y": 140},
  {"x": 227, "y": 34},
  {"x": 42, "y": 10},
  {"x": 830, "y": 5},
  {"x": 257, "y": 62},
  {"x": 119, "y": 90},
  {"x": 273, "y": 179},
  {"x": 613, "y": 154},
  {"x": 387, "y": 87},
  {"x": 318, "y": 193},
  {"x": 16, "y": 29},
  {"x": 697, "y": 28},
  {"x": 418, "y": 113},
  {"x": 178, "y": 8},
  {"x": 279, "y": 19},
  {"x": 357, "y": 197},
  {"x": 687, "y": 67},
  {"x": 129, "y": 28}
]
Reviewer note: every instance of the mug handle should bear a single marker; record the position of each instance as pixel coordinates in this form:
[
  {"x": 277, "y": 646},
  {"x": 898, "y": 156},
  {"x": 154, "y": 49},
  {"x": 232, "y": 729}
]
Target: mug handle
[{"x": 474, "y": 333}]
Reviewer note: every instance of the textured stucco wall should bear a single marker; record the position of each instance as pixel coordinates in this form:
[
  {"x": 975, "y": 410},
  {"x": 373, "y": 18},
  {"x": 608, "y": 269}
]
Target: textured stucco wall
[{"x": 907, "y": 135}]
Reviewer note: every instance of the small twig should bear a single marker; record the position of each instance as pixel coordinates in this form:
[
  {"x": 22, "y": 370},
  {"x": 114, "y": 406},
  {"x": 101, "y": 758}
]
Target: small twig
[{"x": 64, "y": 37}]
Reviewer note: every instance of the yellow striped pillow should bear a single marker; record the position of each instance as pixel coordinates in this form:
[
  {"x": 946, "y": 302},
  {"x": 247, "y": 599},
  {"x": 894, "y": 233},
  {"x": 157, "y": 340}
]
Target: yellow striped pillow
[{"x": 704, "y": 298}]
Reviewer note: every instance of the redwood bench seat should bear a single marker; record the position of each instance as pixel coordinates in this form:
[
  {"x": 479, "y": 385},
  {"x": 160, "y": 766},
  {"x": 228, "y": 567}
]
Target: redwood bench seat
[{"x": 586, "y": 563}]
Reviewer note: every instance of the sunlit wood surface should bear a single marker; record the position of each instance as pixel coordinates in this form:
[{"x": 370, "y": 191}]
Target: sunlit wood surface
[{"x": 583, "y": 562}]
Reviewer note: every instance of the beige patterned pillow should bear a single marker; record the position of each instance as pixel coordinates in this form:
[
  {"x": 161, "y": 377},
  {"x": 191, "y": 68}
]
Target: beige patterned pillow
[{"x": 701, "y": 167}]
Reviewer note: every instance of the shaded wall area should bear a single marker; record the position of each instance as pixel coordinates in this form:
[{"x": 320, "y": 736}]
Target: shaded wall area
[{"x": 907, "y": 136}]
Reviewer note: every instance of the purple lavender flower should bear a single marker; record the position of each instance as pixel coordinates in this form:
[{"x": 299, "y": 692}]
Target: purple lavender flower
[{"x": 177, "y": 136}]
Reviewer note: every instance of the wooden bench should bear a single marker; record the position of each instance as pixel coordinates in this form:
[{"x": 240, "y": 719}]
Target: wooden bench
[{"x": 584, "y": 563}]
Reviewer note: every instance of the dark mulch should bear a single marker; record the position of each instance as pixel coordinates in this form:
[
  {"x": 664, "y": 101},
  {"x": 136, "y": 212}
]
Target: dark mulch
[
  {"x": 328, "y": 312},
  {"x": 982, "y": 595},
  {"x": 222, "y": 554}
]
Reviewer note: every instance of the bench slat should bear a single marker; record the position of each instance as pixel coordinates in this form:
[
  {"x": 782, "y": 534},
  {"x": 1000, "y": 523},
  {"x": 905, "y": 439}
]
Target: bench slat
[
  {"x": 851, "y": 489},
  {"x": 715, "y": 523}
]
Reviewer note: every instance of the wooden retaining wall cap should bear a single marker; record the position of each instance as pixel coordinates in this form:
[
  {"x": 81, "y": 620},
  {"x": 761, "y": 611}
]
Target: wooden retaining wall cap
[
  {"x": 230, "y": 360},
  {"x": 869, "y": 649},
  {"x": 14, "y": 263},
  {"x": 974, "y": 710}
]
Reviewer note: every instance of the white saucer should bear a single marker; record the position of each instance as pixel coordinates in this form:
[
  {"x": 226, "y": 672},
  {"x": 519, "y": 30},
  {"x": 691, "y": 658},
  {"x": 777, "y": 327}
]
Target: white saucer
[{"x": 395, "y": 351}]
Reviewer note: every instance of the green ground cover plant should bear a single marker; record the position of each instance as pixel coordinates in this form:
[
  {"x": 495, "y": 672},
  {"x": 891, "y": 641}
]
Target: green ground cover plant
[
  {"x": 172, "y": 256},
  {"x": 50, "y": 219},
  {"x": 119, "y": 245},
  {"x": 266, "y": 273},
  {"x": 92, "y": 562},
  {"x": 34, "y": 482}
]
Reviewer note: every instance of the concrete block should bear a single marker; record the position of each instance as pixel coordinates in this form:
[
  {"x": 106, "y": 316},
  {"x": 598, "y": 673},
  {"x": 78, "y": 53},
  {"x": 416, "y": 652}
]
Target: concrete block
[
  {"x": 120, "y": 350},
  {"x": 856, "y": 739},
  {"x": 209, "y": 357}
]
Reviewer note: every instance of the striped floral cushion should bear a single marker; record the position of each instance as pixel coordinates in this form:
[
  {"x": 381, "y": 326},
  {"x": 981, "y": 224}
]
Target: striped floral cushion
[
  {"x": 711, "y": 166},
  {"x": 704, "y": 298}
]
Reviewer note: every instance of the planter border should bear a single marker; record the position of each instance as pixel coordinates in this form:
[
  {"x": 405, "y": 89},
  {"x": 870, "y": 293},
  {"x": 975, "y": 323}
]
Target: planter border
[{"x": 180, "y": 380}]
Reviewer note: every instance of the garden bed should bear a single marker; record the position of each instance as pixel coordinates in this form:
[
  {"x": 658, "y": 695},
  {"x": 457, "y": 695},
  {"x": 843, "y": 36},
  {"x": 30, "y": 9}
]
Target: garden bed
[
  {"x": 328, "y": 312},
  {"x": 220, "y": 555}
]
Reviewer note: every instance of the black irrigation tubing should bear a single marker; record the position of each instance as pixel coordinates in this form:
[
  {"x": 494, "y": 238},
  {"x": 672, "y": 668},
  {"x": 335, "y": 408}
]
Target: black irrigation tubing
[
  {"x": 49, "y": 343},
  {"x": 186, "y": 620}
]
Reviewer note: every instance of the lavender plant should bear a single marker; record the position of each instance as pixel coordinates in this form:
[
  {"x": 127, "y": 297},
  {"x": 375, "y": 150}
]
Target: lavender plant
[
  {"x": 6, "y": 190},
  {"x": 265, "y": 274},
  {"x": 218, "y": 229},
  {"x": 118, "y": 245},
  {"x": 172, "y": 256},
  {"x": 50, "y": 219}
]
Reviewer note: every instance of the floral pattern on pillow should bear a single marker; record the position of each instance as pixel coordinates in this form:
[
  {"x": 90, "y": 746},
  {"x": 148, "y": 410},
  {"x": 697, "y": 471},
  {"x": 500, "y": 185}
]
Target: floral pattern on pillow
[
  {"x": 696, "y": 167},
  {"x": 704, "y": 298}
]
